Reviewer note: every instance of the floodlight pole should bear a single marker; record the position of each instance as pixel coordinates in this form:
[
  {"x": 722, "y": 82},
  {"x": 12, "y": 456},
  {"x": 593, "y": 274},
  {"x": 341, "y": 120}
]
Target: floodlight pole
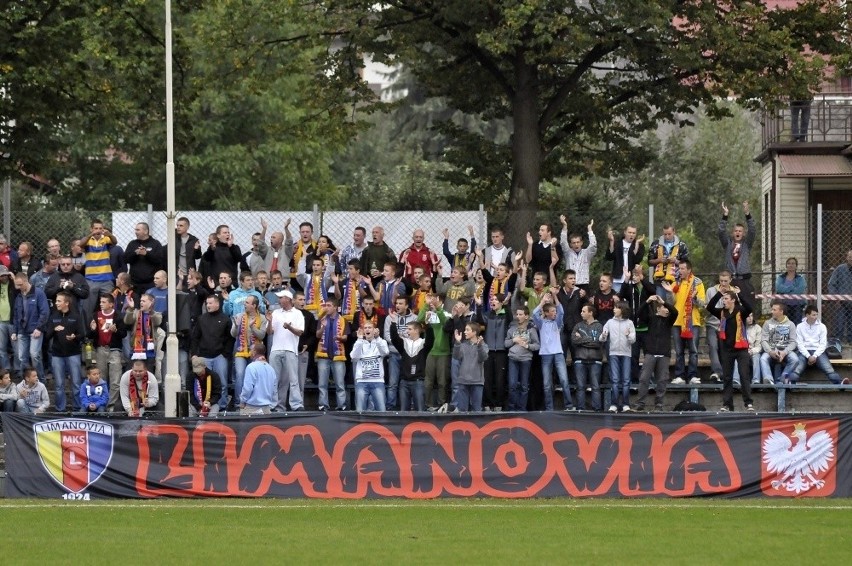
[{"x": 172, "y": 379}]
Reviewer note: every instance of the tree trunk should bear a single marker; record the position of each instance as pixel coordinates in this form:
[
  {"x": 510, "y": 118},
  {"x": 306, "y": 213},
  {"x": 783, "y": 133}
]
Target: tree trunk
[{"x": 526, "y": 157}]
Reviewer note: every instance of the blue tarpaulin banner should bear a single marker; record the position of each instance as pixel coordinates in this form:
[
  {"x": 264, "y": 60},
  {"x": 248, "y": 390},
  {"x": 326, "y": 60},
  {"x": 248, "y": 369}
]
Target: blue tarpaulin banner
[{"x": 416, "y": 456}]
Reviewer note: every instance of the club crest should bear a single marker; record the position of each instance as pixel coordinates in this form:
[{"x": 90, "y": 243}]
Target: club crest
[
  {"x": 799, "y": 458},
  {"x": 75, "y": 452}
]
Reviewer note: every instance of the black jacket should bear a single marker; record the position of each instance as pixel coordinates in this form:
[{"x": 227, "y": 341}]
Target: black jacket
[
  {"x": 223, "y": 258},
  {"x": 143, "y": 267},
  {"x": 412, "y": 368},
  {"x": 211, "y": 335},
  {"x": 635, "y": 294},
  {"x": 658, "y": 341},
  {"x": 56, "y": 283},
  {"x": 71, "y": 323}
]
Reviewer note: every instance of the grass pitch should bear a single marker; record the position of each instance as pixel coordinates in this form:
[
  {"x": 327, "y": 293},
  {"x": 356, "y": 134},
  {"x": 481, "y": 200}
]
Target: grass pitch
[{"x": 454, "y": 531}]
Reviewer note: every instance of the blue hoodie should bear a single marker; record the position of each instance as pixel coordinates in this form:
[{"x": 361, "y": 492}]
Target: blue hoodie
[{"x": 97, "y": 394}]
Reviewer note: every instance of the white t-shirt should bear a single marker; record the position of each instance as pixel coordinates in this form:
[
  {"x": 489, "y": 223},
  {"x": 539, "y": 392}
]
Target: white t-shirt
[{"x": 282, "y": 338}]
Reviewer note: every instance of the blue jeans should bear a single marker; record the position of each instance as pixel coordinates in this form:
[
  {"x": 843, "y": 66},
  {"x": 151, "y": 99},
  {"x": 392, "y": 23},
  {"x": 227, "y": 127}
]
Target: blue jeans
[
  {"x": 324, "y": 367},
  {"x": 372, "y": 390},
  {"x": 822, "y": 362},
  {"x": 62, "y": 366},
  {"x": 519, "y": 384},
  {"x": 286, "y": 365},
  {"x": 393, "y": 380},
  {"x": 755, "y": 370},
  {"x": 469, "y": 397},
  {"x": 779, "y": 371},
  {"x": 843, "y": 321},
  {"x": 454, "y": 375},
  {"x": 29, "y": 353},
  {"x": 548, "y": 362},
  {"x": 240, "y": 365},
  {"x": 619, "y": 378},
  {"x": 713, "y": 350},
  {"x": 691, "y": 370},
  {"x": 6, "y": 331},
  {"x": 411, "y": 389},
  {"x": 592, "y": 370},
  {"x": 219, "y": 364}
]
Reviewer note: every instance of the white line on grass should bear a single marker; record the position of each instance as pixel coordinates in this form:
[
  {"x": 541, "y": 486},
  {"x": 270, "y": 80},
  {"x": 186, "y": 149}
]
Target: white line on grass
[{"x": 438, "y": 504}]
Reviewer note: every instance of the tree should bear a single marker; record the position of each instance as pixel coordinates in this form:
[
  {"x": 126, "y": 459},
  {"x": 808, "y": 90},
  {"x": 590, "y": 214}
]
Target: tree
[
  {"x": 256, "y": 125},
  {"x": 581, "y": 80}
]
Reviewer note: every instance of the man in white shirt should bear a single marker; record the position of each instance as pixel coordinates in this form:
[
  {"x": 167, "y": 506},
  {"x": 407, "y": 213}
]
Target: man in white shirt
[
  {"x": 497, "y": 253},
  {"x": 811, "y": 341},
  {"x": 576, "y": 256},
  {"x": 630, "y": 251},
  {"x": 286, "y": 325}
]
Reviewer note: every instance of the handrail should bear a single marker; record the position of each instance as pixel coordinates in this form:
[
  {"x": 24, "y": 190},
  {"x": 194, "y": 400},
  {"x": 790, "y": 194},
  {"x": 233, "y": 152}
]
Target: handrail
[{"x": 827, "y": 118}]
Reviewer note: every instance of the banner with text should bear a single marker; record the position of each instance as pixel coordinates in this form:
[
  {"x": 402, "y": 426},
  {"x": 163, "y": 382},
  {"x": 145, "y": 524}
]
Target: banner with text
[{"x": 425, "y": 456}]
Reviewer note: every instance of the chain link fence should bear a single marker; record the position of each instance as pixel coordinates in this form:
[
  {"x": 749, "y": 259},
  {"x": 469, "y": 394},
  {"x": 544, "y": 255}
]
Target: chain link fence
[{"x": 835, "y": 240}]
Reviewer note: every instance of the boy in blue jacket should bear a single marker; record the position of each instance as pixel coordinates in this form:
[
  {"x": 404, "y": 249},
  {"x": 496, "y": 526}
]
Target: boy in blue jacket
[{"x": 94, "y": 393}]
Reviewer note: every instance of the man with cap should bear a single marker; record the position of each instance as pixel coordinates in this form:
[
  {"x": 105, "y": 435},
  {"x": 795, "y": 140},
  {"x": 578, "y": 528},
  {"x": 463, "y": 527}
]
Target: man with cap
[
  {"x": 260, "y": 388},
  {"x": 205, "y": 389},
  {"x": 286, "y": 325}
]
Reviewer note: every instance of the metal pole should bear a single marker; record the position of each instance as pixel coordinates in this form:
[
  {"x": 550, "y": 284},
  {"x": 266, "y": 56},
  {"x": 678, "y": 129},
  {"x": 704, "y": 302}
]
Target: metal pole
[
  {"x": 650, "y": 223},
  {"x": 172, "y": 379},
  {"x": 483, "y": 235},
  {"x": 315, "y": 220},
  {"x": 7, "y": 209},
  {"x": 819, "y": 260}
]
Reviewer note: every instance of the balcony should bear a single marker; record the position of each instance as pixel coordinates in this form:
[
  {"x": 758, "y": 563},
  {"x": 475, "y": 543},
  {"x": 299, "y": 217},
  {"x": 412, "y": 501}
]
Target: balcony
[{"x": 828, "y": 123}]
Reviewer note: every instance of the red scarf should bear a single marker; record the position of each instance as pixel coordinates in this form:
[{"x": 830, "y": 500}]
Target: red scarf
[
  {"x": 197, "y": 390},
  {"x": 245, "y": 337},
  {"x": 740, "y": 340},
  {"x": 142, "y": 337},
  {"x": 138, "y": 395},
  {"x": 686, "y": 331}
]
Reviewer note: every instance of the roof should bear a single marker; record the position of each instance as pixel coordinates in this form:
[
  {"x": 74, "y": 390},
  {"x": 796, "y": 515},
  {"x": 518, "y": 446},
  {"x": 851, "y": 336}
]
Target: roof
[{"x": 815, "y": 166}]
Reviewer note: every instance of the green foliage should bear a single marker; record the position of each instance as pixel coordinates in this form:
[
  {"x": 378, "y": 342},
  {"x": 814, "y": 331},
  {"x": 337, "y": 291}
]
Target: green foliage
[
  {"x": 580, "y": 82},
  {"x": 255, "y": 126}
]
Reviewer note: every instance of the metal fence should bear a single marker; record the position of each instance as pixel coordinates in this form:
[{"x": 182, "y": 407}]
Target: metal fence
[
  {"x": 825, "y": 119},
  {"x": 831, "y": 239},
  {"x": 826, "y": 271}
]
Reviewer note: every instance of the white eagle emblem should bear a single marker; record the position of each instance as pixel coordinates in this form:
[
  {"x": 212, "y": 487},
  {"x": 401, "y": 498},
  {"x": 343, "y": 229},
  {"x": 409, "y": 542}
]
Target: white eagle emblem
[{"x": 797, "y": 464}]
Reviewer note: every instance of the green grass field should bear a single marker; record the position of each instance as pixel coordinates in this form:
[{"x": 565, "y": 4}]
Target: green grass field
[{"x": 540, "y": 531}]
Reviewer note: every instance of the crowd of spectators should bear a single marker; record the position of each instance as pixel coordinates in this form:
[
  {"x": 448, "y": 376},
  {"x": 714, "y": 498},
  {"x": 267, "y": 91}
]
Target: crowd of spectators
[{"x": 255, "y": 327}]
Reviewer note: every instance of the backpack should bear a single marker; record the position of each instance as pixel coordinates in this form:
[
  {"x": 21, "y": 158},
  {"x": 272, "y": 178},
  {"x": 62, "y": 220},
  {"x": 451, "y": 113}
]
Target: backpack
[
  {"x": 834, "y": 350},
  {"x": 689, "y": 406}
]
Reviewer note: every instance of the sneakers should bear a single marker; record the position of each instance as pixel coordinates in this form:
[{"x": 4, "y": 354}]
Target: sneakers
[
  {"x": 443, "y": 408},
  {"x": 714, "y": 377},
  {"x": 658, "y": 408},
  {"x": 694, "y": 381},
  {"x": 487, "y": 409},
  {"x": 768, "y": 380},
  {"x": 570, "y": 409},
  {"x": 750, "y": 407},
  {"x": 626, "y": 409},
  {"x": 432, "y": 409},
  {"x": 639, "y": 408},
  {"x": 322, "y": 408},
  {"x": 845, "y": 381},
  {"x": 724, "y": 409},
  {"x": 613, "y": 409},
  {"x": 497, "y": 409},
  {"x": 678, "y": 381}
]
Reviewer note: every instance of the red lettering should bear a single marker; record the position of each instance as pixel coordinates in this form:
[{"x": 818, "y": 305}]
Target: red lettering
[{"x": 511, "y": 457}]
